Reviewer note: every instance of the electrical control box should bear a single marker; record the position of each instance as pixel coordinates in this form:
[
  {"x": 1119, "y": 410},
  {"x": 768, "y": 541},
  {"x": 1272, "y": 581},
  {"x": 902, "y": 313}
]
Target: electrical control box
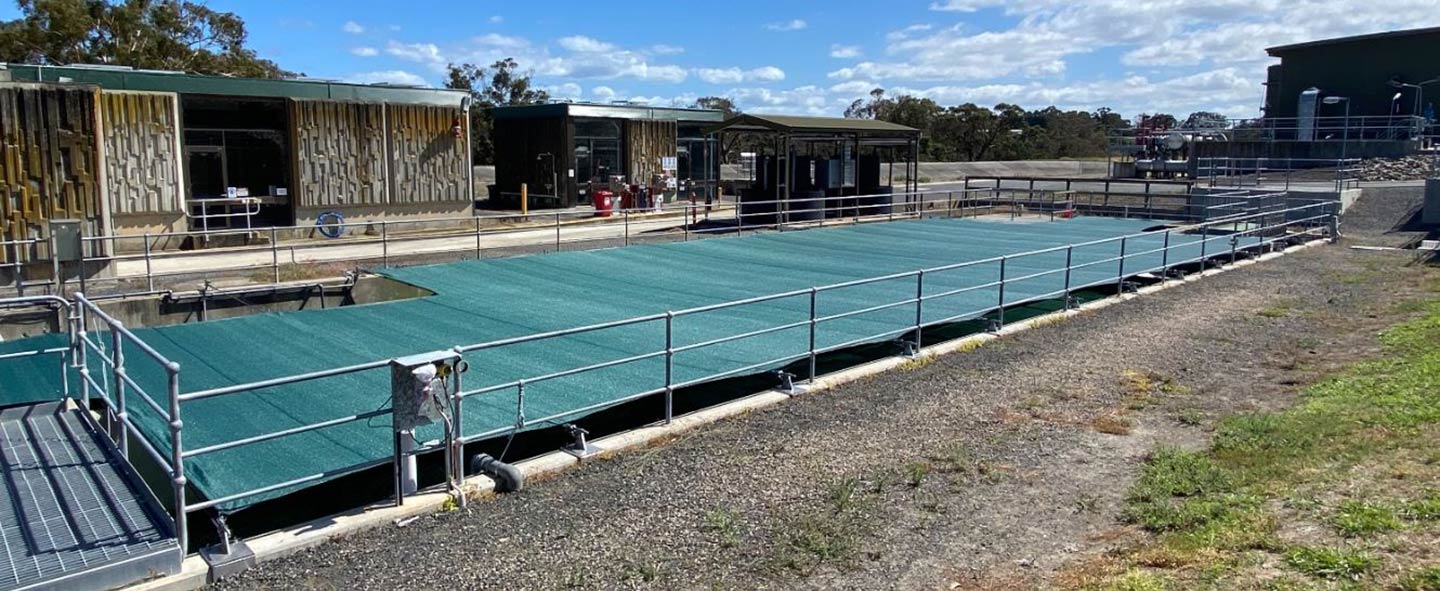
[
  {"x": 420, "y": 388},
  {"x": 69, "y": 247}
]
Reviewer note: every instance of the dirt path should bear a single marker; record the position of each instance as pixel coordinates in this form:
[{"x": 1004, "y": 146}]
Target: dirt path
[{"x": 986, "y": 469}]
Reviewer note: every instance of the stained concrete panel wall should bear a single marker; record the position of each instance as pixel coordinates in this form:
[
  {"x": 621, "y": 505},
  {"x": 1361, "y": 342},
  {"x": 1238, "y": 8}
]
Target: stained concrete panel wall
[
  {"x": 339, "y": 151},
  {"x": 143, "y": 174},
  {"x": 48, "y": 155},
  {"x": 427, "y": 163}
]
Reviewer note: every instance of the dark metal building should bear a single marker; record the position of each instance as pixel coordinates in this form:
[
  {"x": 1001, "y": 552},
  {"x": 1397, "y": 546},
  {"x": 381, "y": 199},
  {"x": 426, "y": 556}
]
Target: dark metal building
[
  {"x": 568, "y": 144},
  {"x": 1360, "y": 68}
]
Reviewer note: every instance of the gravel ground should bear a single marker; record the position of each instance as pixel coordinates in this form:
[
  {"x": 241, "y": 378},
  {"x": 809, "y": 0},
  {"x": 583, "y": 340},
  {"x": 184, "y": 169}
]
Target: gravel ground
[{"x": 985, "y": 469}]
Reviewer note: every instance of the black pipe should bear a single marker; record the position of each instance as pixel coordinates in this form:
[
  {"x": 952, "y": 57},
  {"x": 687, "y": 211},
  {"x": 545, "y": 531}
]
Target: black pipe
[{"x": 507, "y": 477}]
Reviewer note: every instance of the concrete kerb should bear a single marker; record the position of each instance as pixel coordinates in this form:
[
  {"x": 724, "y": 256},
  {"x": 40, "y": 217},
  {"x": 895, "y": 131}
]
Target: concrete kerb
[{"x": 283, "y": 543}]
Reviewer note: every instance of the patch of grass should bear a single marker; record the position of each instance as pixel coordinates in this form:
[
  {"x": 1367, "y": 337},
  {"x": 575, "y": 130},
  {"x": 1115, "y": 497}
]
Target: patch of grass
[
  {"x": 725, "y": 524},
  {"x": 1140, "y": 382},
  {"x": 1331, "y": 563},
  {"x": 1216, "y": 515},
  {"x": 916, "y": 472},
  {"x": 809, "y": 541},
  {"x": 1274, "y": 311},
  {"x": 917, "y": 363},
  {"x": 1087, "y": 504},
  {"x": 1425, "y": 579},
  {"x": 956, "y": 459},
  {"x": 1426, "y": 509},
  {"x": 1190, "y": 417},
  {"x": 843, "y": 494},
  {"x": 1359, "y": 518},
  {"x": 1137, "y": 580},
  {"x": 299, "y": 272},
  {"x": 645, "y": 571},
  {"x": 1112, "y": 424}
]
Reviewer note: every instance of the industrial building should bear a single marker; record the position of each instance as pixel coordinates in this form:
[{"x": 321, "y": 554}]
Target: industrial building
[
  {"x": 1380, "y": 74},
  {"x": 556, "y": 150},
  {"x": 132, "y": 152},
  {"x": 1326, "y": 101}
]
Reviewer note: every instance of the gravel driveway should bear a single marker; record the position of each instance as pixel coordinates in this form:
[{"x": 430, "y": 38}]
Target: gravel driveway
[{"x": 983, "y": 469}]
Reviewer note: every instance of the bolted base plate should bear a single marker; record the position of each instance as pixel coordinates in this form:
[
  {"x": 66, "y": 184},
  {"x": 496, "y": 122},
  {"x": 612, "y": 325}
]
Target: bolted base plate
[
  {"x": 239, "y": 559},
  {"x": 581, "y": 453}
]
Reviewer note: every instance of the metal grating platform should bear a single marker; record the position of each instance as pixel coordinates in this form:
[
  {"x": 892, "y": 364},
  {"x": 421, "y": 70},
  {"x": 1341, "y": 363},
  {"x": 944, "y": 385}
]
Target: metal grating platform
[{"x": 73, "y": 513}]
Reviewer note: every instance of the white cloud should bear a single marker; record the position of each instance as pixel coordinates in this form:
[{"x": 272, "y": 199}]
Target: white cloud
[
  {"x": 567, "y": 90},
  {"x": 844, "y": 51},
  {"x": 576, "y": 57},
  {"x": 501, "y": 41},
  {"x": 804, "y": 100},
  {"x": 792, "y": 25},
  {"x": 907, "y": 32},
  {"x": 963, "y": 5},
  {"x": 854, "y": 87},
  {"x": 364, "y": 51},
  {"x": 425, "y": 53},
  {"x": 496, "y": 19},
  {"x": 737, "y": 75},
  {"x": 663, "y": 49},
  {"x": 583, "y": 44},
  {"x": 352, "y": 28},
  {"x": 603, "y": 93},
  {"x": 388, "y": 77}
]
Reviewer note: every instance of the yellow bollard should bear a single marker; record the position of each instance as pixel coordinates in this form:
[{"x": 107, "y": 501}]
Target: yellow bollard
[{"x": 524, "y": 199}]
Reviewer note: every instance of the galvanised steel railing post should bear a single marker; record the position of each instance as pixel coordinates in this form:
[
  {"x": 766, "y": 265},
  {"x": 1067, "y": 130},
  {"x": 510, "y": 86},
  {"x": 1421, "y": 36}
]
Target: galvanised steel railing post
[
  {"x": 1000, "y": 300},
  {"x": 1069, "y": 258},
  {"x": 177, "y": 457},
  {"x": 813, "y": 293},
  {"x": 117, "y": 358},
  {"x": 557, "y": 231},
  {"x": 479, "y": 251},
  {"x": 519, "y": 407},
  {"x": 1120, "y": 274},
  {"x": 1165, "y": 255},
  {"x": 82, "y": 354},
  {"x": 1204, "y": 241},
  {"x": 384, "y": 244},
  {"x": 949, "y": 204},
  {"x": 919, "y": 302},
  {"x": 626, "y": 214},
  {"x": 275, "y": 254},
  {"x": 149, "y": 275},
  {"x": 56, "y": 279},
  {"x": 1234, "y": 244},
  {"x": 456, "y": 468},
  {"x": 669, "y": 366},
  {"x": 1334, "y": 229}
]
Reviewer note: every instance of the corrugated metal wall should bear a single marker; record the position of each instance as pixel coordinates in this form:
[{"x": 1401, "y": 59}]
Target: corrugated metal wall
[
  {"x": 645, "y": 143},
  {"x": 428, "y": 164},
  {"x": 339, "y": 151},
  {"x": 47, "y": 159},
  {"x": 142, "y": 169}
]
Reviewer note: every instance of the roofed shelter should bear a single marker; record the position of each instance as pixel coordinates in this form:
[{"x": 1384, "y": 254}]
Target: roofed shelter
[
  {"x": 558, "y": 149},
  {"x": 802, "y": 161},
  {"x": 131, "y": 152}
]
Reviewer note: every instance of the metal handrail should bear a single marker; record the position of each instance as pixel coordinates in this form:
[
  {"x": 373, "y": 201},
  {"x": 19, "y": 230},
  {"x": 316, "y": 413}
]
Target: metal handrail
[{"x": 176, "y": 466}]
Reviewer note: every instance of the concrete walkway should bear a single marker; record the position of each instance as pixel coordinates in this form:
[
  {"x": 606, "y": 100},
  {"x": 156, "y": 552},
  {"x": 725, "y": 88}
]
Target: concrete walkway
[{"x": 573, "y": 236}]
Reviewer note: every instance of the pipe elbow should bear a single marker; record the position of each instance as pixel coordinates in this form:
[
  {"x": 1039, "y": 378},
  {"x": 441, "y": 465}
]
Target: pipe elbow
[{"x": 507, "y": 477}]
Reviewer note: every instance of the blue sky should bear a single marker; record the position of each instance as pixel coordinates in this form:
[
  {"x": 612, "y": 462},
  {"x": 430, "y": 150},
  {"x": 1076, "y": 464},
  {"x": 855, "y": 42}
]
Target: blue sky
[{"x": 815, "y": 57}]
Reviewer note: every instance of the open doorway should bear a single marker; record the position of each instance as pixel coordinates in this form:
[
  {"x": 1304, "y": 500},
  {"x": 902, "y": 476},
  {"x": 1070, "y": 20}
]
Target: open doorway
[{"x": 237, "y": 162}]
